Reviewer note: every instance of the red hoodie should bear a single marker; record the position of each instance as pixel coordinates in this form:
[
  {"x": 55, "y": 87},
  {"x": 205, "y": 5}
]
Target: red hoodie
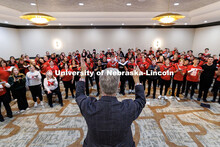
[{"x": 194, "y": 75}]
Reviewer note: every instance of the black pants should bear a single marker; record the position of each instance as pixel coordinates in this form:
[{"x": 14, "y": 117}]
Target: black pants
[
  {"x": 36, "y": 91},
  {"x": 204, "y": 86},
  {"x": 166, "y": 84},
  {"x": 131, "y": 82},
  {"x": 216, "y": 89},
  {"x": 68, "y": 85},
  {"x": 190, "y": 84},
  {"x": 184, "y": 84},
  {"x": 58, "y": 93},
  {"x": 42, "y": 79},
  {"x": 4, "y": 100},
  {"x": 143, "y": 80},
  {"x": 58, "y": 81},
  {"x": 123, "y": 79},
  {"x": 150, "y": 80},
  {"x": 97, "y": 82},
  {"x": 20, "y": 95},
  {"x": 8, "y": 94},
  {"x": 179, "y": 84},
  {"x": 76, "y": 79},
  {"x": 88, "y": 78}
]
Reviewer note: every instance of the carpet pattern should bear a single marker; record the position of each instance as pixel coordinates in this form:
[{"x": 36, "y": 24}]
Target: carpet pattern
[{"x": 162, "y": 123}]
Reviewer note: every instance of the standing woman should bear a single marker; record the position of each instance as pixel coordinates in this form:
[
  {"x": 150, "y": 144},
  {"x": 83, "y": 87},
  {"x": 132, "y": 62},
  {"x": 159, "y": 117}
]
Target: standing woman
[
  {"x": 131, "y": 67},
  {"x": 33, "y": 81},
  {"x": 179, "y": 72},
  {"x": 3, "y": 99},
  {"x": 89, "y": 66},
  {"x": 75, "y": 68},
  {"x": 165, "y": 79},
  {"x": 67, "y": 80},
  {"x": 17, "y": 81},
  {"x": 51, "y": 86}
]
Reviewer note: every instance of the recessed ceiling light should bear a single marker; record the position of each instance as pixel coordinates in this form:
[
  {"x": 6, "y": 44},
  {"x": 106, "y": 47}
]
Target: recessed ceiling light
[
  {"x": 81, "y": 4},
  {"x": 128, "y": 4},
  {"x": 59, "y": 24},
  {"x": 185, "y": 23},
  {"x": 6, "y": 21},
  {"x": 154, "y": 23},
  {"x": 205, "y": 21},
  {"x": 91, "y": 24},
  {"x": 123, "y": 24},
  {"x": 33, "y": 4},
  {"x": 176, "y": 4},
  {"x": 27, "y": 24}
]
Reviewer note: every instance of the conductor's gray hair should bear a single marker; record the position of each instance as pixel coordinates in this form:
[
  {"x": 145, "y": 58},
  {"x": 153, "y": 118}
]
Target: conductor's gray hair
[{"x": 109, "y": 82}]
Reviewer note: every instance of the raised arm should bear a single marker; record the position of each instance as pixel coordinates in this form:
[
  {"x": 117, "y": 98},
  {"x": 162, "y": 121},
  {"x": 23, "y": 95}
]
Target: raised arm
[{"x": 140, "y": 100}]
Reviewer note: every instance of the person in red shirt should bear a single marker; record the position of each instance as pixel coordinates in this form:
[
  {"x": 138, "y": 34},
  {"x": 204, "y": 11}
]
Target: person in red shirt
[
  {"x": 151, "y": 51},
  {"x": 179, "y": 72},
  {"x": 216, "y": 87},
  {"x": 67, "y": 79},
  {"x": 192, "y": 78},
  {"x": 165, "y": 79},
  {"x": 43, "y": 69},
  {"x": 4, "y": 99},
  {"x": 54, "y": 68},
  {"x": 112, "y": 63},
  {"x": 89, "y": 66},
  {"x": 186, "y": 64},
  {"x": 131, "y": 67},
  {"x": 143, "y": 66},
  {"x": 12, "y": 62}
]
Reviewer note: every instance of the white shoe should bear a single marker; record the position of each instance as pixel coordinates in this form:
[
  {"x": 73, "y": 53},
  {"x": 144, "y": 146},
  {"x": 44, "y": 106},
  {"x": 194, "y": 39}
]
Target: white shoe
[
  {"x": 22, "y": 111},
  {"x": 133, "y": 91},
  {"x": 177, "y": 98},
  {"x": 35, "y": 104},
  {"x": 165, "y": 97},
  {"x": 28, "y": 109},
  {"x": 171, "y": 97},
  {"x": 42, "y": 103},
  {"x": 159, "y": 96}
]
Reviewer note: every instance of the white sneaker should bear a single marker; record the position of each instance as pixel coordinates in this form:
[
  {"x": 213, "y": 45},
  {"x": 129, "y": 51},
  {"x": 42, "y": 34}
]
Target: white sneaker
[
  {"x": 171, "y": 97},
  {"x": 42, "y": 103},
  {"x": 165, "y": 97},
  {"x": 133, "y": 91},
  {"x": 159, "y": 96},
  {"x": 177, "y": 98},
  {"x": 28, "y": 109},
  {"x": 35, "y": 104},
  {"x": 129, "y": 91},
  {"x": 22, "y": 111}
]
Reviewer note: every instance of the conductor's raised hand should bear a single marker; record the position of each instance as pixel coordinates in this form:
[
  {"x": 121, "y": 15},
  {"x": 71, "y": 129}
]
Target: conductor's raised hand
[
  {"x": 83, "y": 68},
  {"x": 136, "y": 74}
]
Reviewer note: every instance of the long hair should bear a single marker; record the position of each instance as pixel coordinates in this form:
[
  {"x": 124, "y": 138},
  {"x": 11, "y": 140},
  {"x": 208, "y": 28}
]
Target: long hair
[{"x": 48, "y": 73}]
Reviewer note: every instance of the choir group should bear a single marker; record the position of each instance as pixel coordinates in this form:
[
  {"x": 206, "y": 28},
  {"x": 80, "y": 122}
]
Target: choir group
[{"x": 190, "y": 72}]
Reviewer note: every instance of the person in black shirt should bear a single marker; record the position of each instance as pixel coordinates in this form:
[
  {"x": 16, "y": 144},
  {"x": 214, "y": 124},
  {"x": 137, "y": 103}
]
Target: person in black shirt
[
  {"x": 122, "y": 66},
  {"x": 104, "y": 62},
  {"x": 206, "y": 79},
  {"x": 98, "y": 68},
  {"x": 153, "y": 78}
]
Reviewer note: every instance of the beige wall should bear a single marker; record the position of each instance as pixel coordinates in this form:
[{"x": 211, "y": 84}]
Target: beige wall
[
  {"x": 207, "y": 37},
  {"x": 35, "y": 41},
  {"x": 9, "y": 43}
]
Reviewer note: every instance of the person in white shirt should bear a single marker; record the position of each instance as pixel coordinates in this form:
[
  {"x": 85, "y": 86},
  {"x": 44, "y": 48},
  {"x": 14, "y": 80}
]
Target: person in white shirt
[
  {"x": 33, "y": 82},
  {"x": 51, "y": 86}
]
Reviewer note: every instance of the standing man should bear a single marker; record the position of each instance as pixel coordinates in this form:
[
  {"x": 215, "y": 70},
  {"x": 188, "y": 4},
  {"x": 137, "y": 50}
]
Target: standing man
[
  {"x": 206, "y": 78},
  {"x": 108, "y": 120}
]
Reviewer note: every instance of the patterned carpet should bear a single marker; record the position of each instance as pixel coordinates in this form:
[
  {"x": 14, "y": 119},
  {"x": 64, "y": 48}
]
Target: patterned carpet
[{"x": 162, "y": 123}]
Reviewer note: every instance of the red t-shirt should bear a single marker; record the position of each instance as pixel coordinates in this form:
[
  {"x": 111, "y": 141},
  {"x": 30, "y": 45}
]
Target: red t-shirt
[
  {"x": 89, "y": 66},
  {"x": 178, "y": 76},
  {"x": 2, "y": 90},
  {"x": 131, "y": 66},
  {"x": 44, "y": 68},
  {"x": 55, "y": 68},
  {"x": 67, "y": 77},
  {"x": 143, "y": 66},
  {"x": 165, "y": 68},
  {"x": 112, "y": 64},
  {"x": 4, "y": 73},
  {"x": 194, "y": 75}
]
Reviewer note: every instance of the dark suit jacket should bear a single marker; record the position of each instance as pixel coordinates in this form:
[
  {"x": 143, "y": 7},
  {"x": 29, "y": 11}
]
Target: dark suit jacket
[{"x": 109, "y": 121}]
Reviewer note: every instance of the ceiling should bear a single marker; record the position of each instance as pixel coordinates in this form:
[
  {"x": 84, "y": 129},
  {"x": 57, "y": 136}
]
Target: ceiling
[
  {"x": 110, "y": 12},
  {"x": 106, "y": 5}
]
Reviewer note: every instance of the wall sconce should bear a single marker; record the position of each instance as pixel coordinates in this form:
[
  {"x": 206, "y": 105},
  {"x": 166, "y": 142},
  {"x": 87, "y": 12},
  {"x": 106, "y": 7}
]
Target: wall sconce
[
  {"x": 57, "y": 44},
  {"x": 157, "y": 43}
]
